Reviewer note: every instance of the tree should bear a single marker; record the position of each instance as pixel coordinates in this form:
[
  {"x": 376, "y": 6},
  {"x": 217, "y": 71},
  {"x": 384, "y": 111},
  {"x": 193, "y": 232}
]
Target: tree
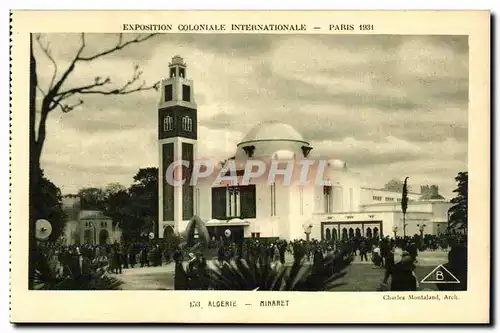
[
  {"x": 136, "y": 209},
  {"x": 113, "y": 188},
  {"x": 92, "y": 198},
  {"x": 59, "y": 95},
  {"x": 404, "y": 203},
  {"x": 144, "y": 196},
  {"x": 395, "y": 185},
  {"x": 48, "y": 205},
  {"x": 458, "y": 212},
  {"x": 119, "y": 209}
]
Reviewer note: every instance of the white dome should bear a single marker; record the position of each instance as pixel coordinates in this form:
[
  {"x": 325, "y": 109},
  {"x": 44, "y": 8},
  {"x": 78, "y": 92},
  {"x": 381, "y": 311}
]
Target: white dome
[
  {"x": 271, "y": 131},
  {"x": 266, "y": 139}
]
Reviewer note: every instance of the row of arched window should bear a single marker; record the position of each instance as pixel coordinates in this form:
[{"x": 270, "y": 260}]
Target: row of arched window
[
  {"x": 186, "y": 123},
  {"x": 103, "y": 224},
  {"x": 168, "y": 123},
  {"x": 332, "y": 234}
]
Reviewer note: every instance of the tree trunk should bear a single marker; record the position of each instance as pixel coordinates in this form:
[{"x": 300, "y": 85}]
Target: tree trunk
[
  {"x": 34, "y": 167},
  {"x": 404, "y": 225}
]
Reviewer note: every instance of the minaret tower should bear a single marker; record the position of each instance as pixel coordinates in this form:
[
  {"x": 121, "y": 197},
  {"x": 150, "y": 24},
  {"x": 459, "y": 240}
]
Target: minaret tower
[{"x": 177, "y": 135}]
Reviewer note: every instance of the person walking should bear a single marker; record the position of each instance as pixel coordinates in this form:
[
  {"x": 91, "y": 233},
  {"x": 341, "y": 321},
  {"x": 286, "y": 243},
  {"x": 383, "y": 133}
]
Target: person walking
[
  {"x": 402, "y": 275},
  {"x": 363, "y": 250}
]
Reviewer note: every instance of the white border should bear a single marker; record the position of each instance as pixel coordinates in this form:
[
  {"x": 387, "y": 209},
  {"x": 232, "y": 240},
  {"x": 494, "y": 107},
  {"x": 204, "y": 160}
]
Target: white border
[{"x": 175, "y": 4}]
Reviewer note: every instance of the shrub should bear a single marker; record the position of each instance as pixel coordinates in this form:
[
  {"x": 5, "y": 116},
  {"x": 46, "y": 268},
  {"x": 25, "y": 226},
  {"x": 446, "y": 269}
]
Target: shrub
[
  {"x": 266, "y": 275},
  {"x": 50, "y": 277}
]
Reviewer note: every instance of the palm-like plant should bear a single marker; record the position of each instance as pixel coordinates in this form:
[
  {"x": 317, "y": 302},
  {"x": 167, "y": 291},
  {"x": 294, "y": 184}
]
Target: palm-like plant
[
  {"x": 47, "y": 277},
  {"x": 265, "y": 275}
]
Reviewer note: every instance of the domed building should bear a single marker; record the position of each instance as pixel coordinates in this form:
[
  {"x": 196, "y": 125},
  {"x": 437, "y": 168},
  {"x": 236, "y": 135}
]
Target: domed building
[
  {"x": 327, "y": 201},
  {"x": 268, "y": 138},
  {"x": 85, "y": 226}
]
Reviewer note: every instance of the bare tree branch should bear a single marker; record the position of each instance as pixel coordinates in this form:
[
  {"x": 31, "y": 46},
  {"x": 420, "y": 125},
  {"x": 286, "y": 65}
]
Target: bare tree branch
[
  {"x": 46, "y": 50},
  {"x": 67, "y": 107},
  {"x": 54, "y": 98},
  {"x": 68, "y": 93},
  {"x": 121, "y": 91},
  {"x": 119, "y": 45},
  {"x": 40, "y": 89},
  {"x": 127, "y": 88},
  {"x": 53, "y": 92}
]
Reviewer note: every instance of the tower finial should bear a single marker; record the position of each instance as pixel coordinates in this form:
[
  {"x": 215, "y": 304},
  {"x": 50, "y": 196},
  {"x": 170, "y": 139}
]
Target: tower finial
[
  {"x": 177, "y": 67},
  {"x": 177, "y": 61}
]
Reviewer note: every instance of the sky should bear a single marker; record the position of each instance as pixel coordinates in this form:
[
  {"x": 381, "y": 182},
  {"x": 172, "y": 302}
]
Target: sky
[{"x": 390, "y": 106}]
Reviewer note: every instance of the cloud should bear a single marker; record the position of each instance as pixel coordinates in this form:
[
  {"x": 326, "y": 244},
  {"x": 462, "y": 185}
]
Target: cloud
[
  {"x": 360, "y": 154},
  {"x": 388, "y": 105}
]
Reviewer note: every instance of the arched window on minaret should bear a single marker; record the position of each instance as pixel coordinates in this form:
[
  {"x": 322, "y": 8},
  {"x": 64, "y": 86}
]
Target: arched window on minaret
[{"x": 168, "y": 123}]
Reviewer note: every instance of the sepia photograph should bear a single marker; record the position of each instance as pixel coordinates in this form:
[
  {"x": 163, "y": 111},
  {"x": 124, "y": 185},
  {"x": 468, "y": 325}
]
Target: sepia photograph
[{"x": 167, "y": 156}]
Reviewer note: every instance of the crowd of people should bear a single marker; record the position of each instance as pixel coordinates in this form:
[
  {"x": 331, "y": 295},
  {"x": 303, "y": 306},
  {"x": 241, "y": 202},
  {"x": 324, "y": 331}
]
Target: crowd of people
[
  {"x": 374, "y": 249},
  {"x": 397, "y": 256},
  {"x": 76, "y": 259}
]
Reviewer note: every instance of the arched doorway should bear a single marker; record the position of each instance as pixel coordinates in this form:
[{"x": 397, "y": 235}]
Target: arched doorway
[
  {"x": 103, "y": 237},
  {"x": 358, "y": 232},
  {"x": 351, "y": 233},
  {"x": 344, "y": 233},
  {"x": 334, "y": 234},
  {"x": 375, "y": 232},
  {"x": 168, "y": 232},
  {"x": 171, "y": 241},
  {"x": 328, "y": 234},
  {"x": 369, "y": 232}
]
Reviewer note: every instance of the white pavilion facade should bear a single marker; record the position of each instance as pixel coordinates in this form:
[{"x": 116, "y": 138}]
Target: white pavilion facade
[{"x": 338, "y": 207}]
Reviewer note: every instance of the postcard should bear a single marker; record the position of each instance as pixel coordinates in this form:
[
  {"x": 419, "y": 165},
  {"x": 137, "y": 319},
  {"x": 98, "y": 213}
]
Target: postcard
[{"x": 250, "y": 166}]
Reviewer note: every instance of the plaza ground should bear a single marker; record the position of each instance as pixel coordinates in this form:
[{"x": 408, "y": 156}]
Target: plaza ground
[{"x": 361, "y": 276}]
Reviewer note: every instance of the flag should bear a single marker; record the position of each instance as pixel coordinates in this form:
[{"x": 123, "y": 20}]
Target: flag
[{"x": 404, "y": 198}]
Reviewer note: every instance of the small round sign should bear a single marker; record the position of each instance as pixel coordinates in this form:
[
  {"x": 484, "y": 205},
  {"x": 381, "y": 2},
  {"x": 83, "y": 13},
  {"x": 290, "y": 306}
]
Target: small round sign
[
  {"x": 43, "y": 229},
  {"x": 227, "y": 233}
]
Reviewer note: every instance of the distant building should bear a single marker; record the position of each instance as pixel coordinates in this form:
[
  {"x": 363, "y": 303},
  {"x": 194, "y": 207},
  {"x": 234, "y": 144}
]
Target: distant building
[
  {"x": 343, "y": 208},
  {"x": 430, "y": 193},
  {"x": 87, "y": 226}
]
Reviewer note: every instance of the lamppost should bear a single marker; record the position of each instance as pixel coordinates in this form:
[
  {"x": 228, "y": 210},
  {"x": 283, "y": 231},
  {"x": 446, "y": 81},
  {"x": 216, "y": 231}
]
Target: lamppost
[
  {"x": 227, "y": 234},
  {"x": 395, "y": 231},
  {"x": 421, "y": 228},
  {"x": 307, "y": 230}
]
